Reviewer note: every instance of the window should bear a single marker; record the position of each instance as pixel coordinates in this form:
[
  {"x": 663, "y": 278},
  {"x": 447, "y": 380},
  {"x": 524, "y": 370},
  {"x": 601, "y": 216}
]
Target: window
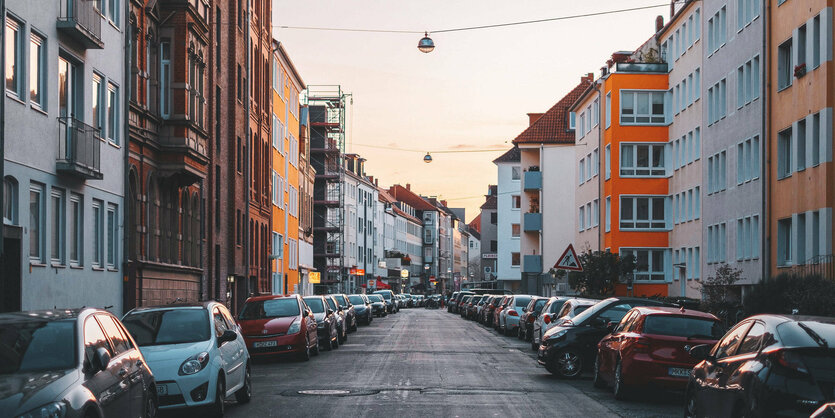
[
  {"x": 643, "y": 212},
  {"x": 36, "y": 208},
  {"x": 582, "y": 131},
  {"x": 747, "y": 160},
  {"x": 515, "y": 259},
  {"x": 595, "y": 214},
  {"x": 717, "y": 30},
  {"x": 816, "y": 139},
  {"x": 165, "y": 79},
  {"x": 516, "y": 201},
  {"x": 494, "y": 246},
  {"x": 642, "y": 107},
  {"x": 581, "y": 171},
  {"x": 56, "y": 226},
  {"x": 113, "y": 12},
  {"x": 784, "y": 154},
  {"x": 608, "y": 109},
  {"x": 746, "y": 12},
  {"x": 37, "y": 71},
  {"x": 595, "y": 112},
  {"x": 595, "y": 162},
  {"x": 9, "y": 201},
  {"x": 784, "y": 242},
  {"x": 113, "y": 113},
  {"x": 642, "y": 160},
  {"x": 97, "y": 98},
  {"x": 649, "y": 263},
  {"x": 275, "y": 187},
  {"x": 14, "y": 56},
  {"x": 801, "y": 145},
  {"x": 717, "y": 101},
  {"x": 785, "y": 70},
  {"x": 607, "y": 163},
  {"x": 98, "y": 233},
  {"x": 608, "y": 213},
  {"x": 801, "y": 45},
  {"x": 816, "y": 41},
  {"x": 717, "y": 172},
  {"x": 516, "y": 172},
  {"x": 76, "y": 229},
  {"x": 493, "y": 218},
  {"x": 581, "y": 218},
  {"x": 278, "y": 245},
  {"x": 801, "y": 239},
  {"x": 515, "y": 230},
  {"x": 572, "y": 119}
]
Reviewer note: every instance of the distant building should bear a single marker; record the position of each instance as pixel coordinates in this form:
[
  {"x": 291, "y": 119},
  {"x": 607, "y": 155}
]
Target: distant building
[
  {"x": 509, "y": 227},
  {"x": 489, "y": 237}
]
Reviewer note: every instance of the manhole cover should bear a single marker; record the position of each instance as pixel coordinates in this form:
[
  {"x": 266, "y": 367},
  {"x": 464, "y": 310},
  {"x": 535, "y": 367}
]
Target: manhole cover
[{"x": 324, "y": 392}]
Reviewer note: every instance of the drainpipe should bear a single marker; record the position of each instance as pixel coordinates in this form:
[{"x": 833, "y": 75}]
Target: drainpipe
[
  {"x": 247, "y": 162},
  {"x": 601, "y": 199},
  {"x": 3, "y": 136},
  {"x": 765, "y": 167},
  {"x": 126, "y": 237},
  {"x": 539, "y": 279}
]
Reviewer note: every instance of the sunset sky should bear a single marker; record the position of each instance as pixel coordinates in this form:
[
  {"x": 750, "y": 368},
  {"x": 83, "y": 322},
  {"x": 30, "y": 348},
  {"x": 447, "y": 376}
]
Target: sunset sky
[{"x": 473, "y": 92}]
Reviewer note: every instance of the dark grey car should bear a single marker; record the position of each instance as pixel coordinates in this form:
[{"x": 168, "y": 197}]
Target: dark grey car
[{"x": 72, "y": 363}]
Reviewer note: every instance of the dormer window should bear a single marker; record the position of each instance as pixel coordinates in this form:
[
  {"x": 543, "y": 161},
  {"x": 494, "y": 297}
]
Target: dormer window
[{"x": 571, "y": 120}]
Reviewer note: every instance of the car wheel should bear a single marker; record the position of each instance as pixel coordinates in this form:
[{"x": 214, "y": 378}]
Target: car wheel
[
  {"x": 151, "y": 406},
  {"x": 355, "y": 325},
  {"x": 597, "y": 380},
  {"x": 316, "y": 347},
  {"x": 568, "y": 364},
  {"x": 244, "y": 394},
  {"x": 327, "y": 344},
  {"x": 335, "y": 343},
  {"x": 620, "y": 388},
  {"x": 304, "y": 355},
  {"x": 218, "y": 407},
  {"x": 690, "y": 408}
]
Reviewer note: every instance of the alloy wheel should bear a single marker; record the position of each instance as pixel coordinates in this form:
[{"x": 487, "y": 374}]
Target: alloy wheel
[{"x": 569, "y": 364}]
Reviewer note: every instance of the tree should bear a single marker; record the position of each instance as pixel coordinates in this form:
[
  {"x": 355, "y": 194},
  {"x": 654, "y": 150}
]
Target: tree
[
  {"x": 602, "y": 270},
  {"x": 716, "y": 289}
]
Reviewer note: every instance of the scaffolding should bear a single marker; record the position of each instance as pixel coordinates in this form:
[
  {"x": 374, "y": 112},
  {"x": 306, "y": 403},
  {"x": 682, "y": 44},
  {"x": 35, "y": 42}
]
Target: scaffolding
[{"x": 327, "y": 110}]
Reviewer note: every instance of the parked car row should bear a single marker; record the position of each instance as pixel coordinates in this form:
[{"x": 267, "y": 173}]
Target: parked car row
[
  {"x": 766, "y": 365},
  {"x": 86, "y": 362}
]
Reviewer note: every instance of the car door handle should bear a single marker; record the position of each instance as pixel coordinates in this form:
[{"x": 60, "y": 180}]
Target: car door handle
[{"x": 122, "y": 372}]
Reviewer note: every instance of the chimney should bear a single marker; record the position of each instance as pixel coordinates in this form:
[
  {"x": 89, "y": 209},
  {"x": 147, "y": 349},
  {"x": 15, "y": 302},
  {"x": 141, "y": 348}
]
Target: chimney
[
  {"x": 659, "y": 23},
  {"x": 377, "y": 182},
  {"x": 443, "y": 202},
  {"x": 533, "y": 117},
  {"x": 408, "y": 187},
  {"x": 589, "y": 77},
  {"x": 672, "y": 9}
]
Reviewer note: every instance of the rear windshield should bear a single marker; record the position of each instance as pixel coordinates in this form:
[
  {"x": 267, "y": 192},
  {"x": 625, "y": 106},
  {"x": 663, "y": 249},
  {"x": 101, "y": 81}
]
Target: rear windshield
[
  {"x": 683, "y": 326},
  {"x": 37, "y": 346},
  {"x": 331, "y": 303},
  {"x": 522, "y": 301},
  {"x": 168, "y": 326},
  {"x": 539, "y": 304},
  {"x": 375, "y": 298},
  {"x": 356, "y": 300},
  {"x": 581, "y": 308},
  {"x": 315, "y": 304},
  {"x": 273, "y": 308},
  {"x": 386, "y": 295},
  {"x": 556, "y": 306},
  {"x": 792, "y": 335}
]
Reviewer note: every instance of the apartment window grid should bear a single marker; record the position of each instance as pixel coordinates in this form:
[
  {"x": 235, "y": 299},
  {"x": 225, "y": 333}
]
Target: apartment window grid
[
  {"x": 748, "y": 160},
  {"x": 717, "y": 172},
  {"x": 717, "y": 30},
  {"x": 643, "y": 213},
  {"x": 717, "y": 101},
  {"x": 717, "y": 241},
  {"x": 687, "y": 205},
  {"x": 650, "y": 264},
  {"x": 746, "y": 12},
  {"x": 687, "y": 149},
  {"x": 747, "y": 238},
  {"x": 639, "y": 107},
  {"x": 748, "y": 82},
  {"x": 642, "y": 160}
]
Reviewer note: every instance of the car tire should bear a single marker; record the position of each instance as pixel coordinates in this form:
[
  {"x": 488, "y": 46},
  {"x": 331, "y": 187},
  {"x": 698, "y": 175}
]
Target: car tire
[
  {"x": 620, "y": 388},
  {"x": 568, "y": 364},
  {"x": 316, "y": 347},
  {"x": 691, "y": 409},
  {"x": 244, "y": 394},
  {"x": 597, "y": 380},
  {"x": 151, "y": 404},
  {"x": 304, "y": 355},
  {"x": 335, "y": 343},
  {"x": 218, "y": 407},
  {"x": 328, "y": 345}
]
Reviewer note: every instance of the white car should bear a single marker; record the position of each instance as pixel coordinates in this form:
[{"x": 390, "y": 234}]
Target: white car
[
  {"x": 196, "y": 351},
  {"x": 557, "y": 309}
]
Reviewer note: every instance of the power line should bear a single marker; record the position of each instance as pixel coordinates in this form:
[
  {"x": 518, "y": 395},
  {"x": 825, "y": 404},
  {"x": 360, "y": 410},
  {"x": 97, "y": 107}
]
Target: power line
[{"x": 429, "y": 151}]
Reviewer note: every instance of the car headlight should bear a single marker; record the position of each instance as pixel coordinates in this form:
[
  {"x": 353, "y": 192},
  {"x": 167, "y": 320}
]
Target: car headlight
[
  {"x": 295, "y": 327},
  {"x": 194, "y": 364},
  {"x": 50, "y": 410},
  {"x": 556, "y": 336}
]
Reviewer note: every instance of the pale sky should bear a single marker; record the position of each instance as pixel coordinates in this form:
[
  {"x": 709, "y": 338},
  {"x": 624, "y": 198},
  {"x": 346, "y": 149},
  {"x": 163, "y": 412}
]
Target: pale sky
[{"x": 472, "y": 92}]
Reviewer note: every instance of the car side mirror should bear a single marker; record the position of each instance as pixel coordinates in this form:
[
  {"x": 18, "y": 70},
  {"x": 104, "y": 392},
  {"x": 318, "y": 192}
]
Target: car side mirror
[
  {"x": 702, "y": 352},
  {"x": 306, "y": 313},
  {"x": 330, "y": 311},
  {"x": 611, "y": 326},
  {"x": 101, "y": 358},
  {"x": 227, "y": 336}
]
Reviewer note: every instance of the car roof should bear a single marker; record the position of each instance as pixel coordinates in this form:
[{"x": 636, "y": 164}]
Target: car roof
[
  {"x": 179, "y": 305},
  {"x": 582, "y": 301},
  {"x": 46, "y": 315},
  {"x": 780, "y": 318},
  {"x": 667, "y": 310},
  {"x": 269, "y": 297}
]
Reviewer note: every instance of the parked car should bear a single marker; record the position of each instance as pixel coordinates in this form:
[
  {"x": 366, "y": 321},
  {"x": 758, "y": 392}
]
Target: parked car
[
  {"x": 362, "y": 308},
  {"x": 480, "y": 308},
  {"x": 568, "y": 348},
  {"x": 278, "y": 324},
  {"x": 509, "y": 317},
  {"x": 341, "y": 322},
  {"x": 391, "y": 301},
  {"x": 68, "y": 363},
  {"x": 498, "y": 311},
  {"x": 767, "y": 365},
  {"x": 378, "y": 305},
  {"x": 472, "y": 308},
  {"x": 408, "y": 301},
  {"x": 489, "y": 310},
  {"x": 196, "y": 352},
  {"x": 456, "y": 301},
  {"x": 449, "y": 305},
  {"x": 529, "y": 315},
  {"x": 348, "y": 308},
  {"x": 556, "y": 310},
  {"x": 649, "y": 347},
  {"x": 325, "y": 321},
  {"x": 462, "y": 305}
]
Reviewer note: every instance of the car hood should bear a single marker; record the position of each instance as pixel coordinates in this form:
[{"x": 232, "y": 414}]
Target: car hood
[
  {"x": 259, "y": 327},
  {"x": 358, "y": 308},
  {"x": 555, "y": 330},
  {"x": 377, "y": 304},
  {"x": 23, "y": 392},
  {"x": 165, "y": 360}
]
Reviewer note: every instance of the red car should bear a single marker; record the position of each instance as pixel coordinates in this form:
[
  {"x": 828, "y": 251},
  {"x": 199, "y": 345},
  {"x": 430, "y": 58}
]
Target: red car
[
  {"x": 279, "y": 324},
  {"x": 650, "y": 347}
]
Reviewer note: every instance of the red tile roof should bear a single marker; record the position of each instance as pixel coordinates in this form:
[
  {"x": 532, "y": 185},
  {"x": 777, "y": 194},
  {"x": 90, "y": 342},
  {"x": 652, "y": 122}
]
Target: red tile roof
[
  {"x": 490, "y": 204},
  {"x": 475, "y": 224},
  {"x": 410, "y": 198},
  {"x": 552, "y": 127}
]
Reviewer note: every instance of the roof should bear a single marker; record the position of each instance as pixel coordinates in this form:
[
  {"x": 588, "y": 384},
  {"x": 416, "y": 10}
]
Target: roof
[
  {"x": 552, "y": 127},
  {"x": 512, "y": 155},
  {"x": 402, "y": 194},
  {"x": 41, "y": 315},
  {"x": 406, "y": 215},
  {"x": 475, "y": 224},
  {"x": 475, "y": 234},
  {"x": 384, "y": 196},
  {"x": 286, "y": 57},
  {"x": 490, "y": 204}
]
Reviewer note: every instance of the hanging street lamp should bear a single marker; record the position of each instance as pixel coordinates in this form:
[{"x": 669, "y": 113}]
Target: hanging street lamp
[
  {"x": 427, "y": 158},
  {"x": 426, "y": 45}
]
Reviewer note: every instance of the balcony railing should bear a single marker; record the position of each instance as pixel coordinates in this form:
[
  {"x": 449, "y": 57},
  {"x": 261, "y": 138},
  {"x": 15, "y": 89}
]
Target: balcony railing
[
  {"x": 533, "y": 180},
  {"x": 532, "y": 222},
  {"x": 80, "y": 20},
  {"x": 532, "y": 264},
  {"x": 79, "y": 149},
  {"x": 641, "y": 67}
]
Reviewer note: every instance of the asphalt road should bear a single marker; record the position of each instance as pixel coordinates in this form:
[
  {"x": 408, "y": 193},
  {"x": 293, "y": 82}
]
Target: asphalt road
[{"x": 429, "y": 363}]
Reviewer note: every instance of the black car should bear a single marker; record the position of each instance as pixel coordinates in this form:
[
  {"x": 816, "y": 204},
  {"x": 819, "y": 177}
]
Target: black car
[
  {"x": 325, "y": 321},
  {"x": 569, "y": 348},
  {"x": 529, "y": 315},
  {"x": 362, "y": 308},
  {"x": 350, "y": 312},
  {"x": 378, "y": 305},
  {"x": 72, "y": 363},
  {"x": 767, "y": 365}
]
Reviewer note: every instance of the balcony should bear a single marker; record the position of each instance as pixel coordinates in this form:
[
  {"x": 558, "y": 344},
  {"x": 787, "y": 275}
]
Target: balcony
[
  {"x": 184, "y": 158},
  {"x": 533, "y": 181},
  {"x": 79, "y": 149},
  {"x": 80, "y": 20},
  {"x": 641, "y": 67},
  {"x": 532, "y": 264},
  {"x": 532, "y": 222}
]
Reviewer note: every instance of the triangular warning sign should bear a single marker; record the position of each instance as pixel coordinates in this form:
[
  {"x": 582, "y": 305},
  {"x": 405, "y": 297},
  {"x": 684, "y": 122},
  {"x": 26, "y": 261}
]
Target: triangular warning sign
[{"x": 568, "y": 260}]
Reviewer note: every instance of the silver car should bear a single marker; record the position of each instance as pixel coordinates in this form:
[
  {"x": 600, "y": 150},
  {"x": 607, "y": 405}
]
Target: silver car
[
  {"x": 558, "y": 309},
  {"x": 509, "y": 316}
]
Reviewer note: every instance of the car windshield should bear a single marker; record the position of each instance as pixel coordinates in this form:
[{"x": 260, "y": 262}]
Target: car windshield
[
  {"x": 315, "y": 304},
  {"x": 522, "y": 301},
  {"x": 375, "y": 298},
  {"x": 683, "y": 326},
  {"x": 356, "y": 300},
  {"x": 341, "y": 300},
  {"x": 31, "y": 346},
  {"x": 168, "y": 326},
  {"x": 331, "y": 303},
  {"x": 272, "y": 308},
  {"x": 385, "y": 295}
]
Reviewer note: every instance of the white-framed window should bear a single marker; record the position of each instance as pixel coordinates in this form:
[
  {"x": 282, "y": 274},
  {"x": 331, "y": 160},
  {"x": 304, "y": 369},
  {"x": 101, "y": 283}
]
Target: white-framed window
[
  {"x": 10, "y": 201},
  {"x": 697, "y": 202},
  {"x": 36, "y": 222},
  {"x": 747, "y": 83},
  {"x": 113, "y": 131},
  {"x": 608, "y": 213},
  {"x": 278, "y": 245},
  {"x": 607, "y": 164},
  {"x": 595, "y": 213},
  {"x": 516, "y": 201},
  {"x": 642, "y": 107},
  {"x": 785, "y": 67},
  {"x": 75, "y": 240},
  {"x": 717, "y": 101},
  {"x": 582, "y": 131},
  {"x": 515, "y": 172},
  {"x": 98, "y": 99},
  {"x": 112, "y": 236},
  {"x": 595, "y": 112},
  {"x": 747, "y": 238},
  {"x": 717, "y": 30},
  {"x": 581, "y": 218},
  {"x": 589, "y": 216},
  {"x": 748, "y": 160},
  {"x": 57, "y": 226},
  {"x": 643, "y": 212},
  {"x": 589, "y": 165},
  {"x": 717, "y": 241},
  {"x": 642, "y": 160},
  {"x": 572, "y": 119},
  {"x": 98, "y": 233},
  {"x": 784, "y": 153},
  {"x": 275, "y": 131},
  {"x": 784, "y": 242},
  {"x": 581, "y": 171},
  {"x": 717, "y": 172},
  {"x": 14, "y": 56},
  {"x": 37, "y": 70},
  {"x": 697, "y": 84},
  {"x": 275, "y": 187},
  {"x": 697, "y": 24},
  {"x": 650, "y": 263},
  {"x": 608, "y": 109}
]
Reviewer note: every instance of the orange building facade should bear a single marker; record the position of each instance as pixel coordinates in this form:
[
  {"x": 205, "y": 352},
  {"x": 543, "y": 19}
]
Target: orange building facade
[
  {"x": 286, "y": 87},
  {"x": 636, "y": 205}
]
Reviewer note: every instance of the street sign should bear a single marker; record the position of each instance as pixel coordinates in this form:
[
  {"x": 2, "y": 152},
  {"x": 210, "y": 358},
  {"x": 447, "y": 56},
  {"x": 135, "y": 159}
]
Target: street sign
[
  {"x": 404, "y": 273},
  {"x": 360, "y": 272},
  {"x": 372, "y": 283},
  {"x": 315, "y": 277},
  {"x": 568, "y": 260}
]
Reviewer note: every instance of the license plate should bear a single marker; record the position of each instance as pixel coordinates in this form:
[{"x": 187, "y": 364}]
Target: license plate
[
  {"x": 162, "y": 390},
  {"x": 677, "y": 372},
  {"x": 259, "y": 344}
]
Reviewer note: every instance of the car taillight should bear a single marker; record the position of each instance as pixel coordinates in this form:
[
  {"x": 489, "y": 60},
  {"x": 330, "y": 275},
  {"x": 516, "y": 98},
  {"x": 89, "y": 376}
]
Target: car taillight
[
  {"x": 512, "y": 313},
  {"x": 547, "y": 319},
  {"x": 641, "y": 345},
  {"x": 530, "y": 319},
  {"x": 791, "y": 361}
]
